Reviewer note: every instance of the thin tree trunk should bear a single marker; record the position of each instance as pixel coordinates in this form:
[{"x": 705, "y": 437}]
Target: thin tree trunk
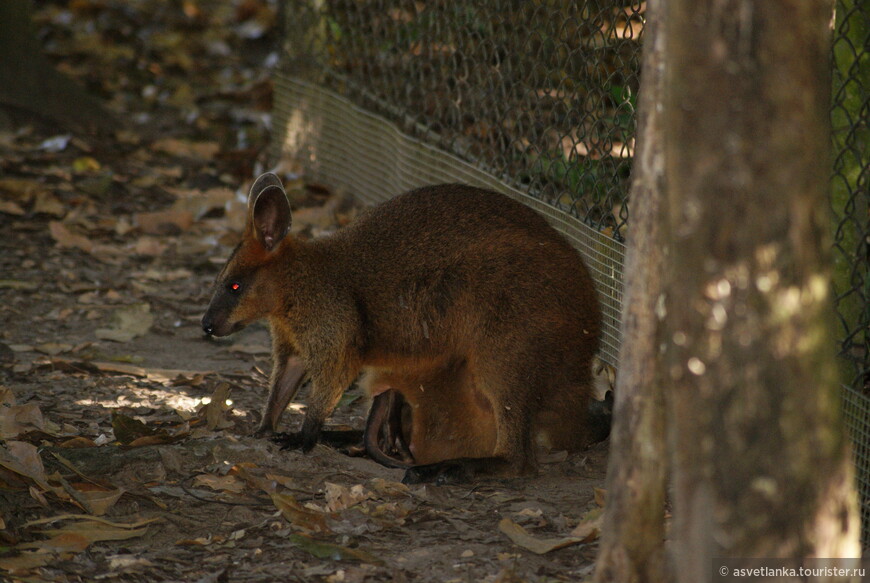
[
  {"x": 760, "y": 460},
  {"x": 28, "y": 81},
  {"x": 632, "y": 542}
]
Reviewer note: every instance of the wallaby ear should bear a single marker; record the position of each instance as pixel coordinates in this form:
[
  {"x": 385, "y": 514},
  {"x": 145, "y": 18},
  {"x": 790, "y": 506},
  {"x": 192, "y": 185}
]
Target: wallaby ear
[
  {"x": 270, "y": 215},
  {"x": 264, "y": 180}
]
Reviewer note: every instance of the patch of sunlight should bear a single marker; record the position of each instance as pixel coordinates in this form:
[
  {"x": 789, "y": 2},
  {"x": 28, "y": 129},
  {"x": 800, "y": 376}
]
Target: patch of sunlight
[
  {"x": 147, "y": 397},
  {"x": 696, "y": 366}
]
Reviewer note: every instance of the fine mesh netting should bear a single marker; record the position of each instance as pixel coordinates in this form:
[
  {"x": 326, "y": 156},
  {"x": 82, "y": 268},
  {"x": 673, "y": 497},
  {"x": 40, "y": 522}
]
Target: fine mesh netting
[{"x": 537, "y": 99}]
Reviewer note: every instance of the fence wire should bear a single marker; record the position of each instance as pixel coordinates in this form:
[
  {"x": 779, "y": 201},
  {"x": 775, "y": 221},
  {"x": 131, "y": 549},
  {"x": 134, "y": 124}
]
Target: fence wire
[
  {"x": 850, "y": 198},
  {"x": 542, "y": 94},
  {"x": 537, "y": 98},
  {"x": 851, "y": 177}
]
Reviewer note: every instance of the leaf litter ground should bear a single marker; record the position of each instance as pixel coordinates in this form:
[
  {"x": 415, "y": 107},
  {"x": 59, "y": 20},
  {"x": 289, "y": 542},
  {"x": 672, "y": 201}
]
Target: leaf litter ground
[{"x": 126, "y": 451}]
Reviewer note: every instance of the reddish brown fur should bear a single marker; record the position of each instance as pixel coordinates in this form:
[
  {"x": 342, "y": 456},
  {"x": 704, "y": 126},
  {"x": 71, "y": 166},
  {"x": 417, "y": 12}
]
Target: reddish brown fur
[
  {"x": 463, "y": 291},
  {"x": 451, "y": 418}
]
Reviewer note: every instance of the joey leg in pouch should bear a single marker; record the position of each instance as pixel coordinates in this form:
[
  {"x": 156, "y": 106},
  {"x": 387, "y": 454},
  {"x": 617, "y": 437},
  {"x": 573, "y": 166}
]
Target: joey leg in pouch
[
  {"x": 479, "y": 316},
  {"x": 384, "y": 438}
]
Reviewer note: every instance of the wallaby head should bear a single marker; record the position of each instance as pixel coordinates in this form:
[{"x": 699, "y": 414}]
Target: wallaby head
[{"x": 244, "y": 290}]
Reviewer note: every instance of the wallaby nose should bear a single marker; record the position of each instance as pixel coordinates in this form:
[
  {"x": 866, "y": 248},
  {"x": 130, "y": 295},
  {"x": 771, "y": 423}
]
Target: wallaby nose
[{"x": 207, "y": 326}]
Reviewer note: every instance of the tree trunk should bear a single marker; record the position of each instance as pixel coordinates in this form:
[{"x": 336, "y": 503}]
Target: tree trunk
[
  {"x": 28, "y": 82},
  {"x": 632, "y": 542},
  {"x": 760, "y": 460}
]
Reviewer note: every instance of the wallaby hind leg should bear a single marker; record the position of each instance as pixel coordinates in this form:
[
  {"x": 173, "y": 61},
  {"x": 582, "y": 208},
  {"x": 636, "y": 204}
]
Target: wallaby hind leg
[{"x": 513, "y": 455}]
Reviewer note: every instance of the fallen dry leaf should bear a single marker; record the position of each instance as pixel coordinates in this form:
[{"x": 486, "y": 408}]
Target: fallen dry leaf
[
  {"x": 389, "y": 489},
  {"x": 156, "y": 223},
  {"x": 600, "y": 496},
  {"x": 85, "y": 164},
  {"x": 77, "y": 442},
  {"x": 21, "y": 190},
  {"x": 18, "y": 419},
  {"x": 537, "y": 545},
  {"x": 66, "y": 239},
  {"x": 38, "y": 496},
  {"x": 277, "y": 479},
  {"x": 53, "y": 348},
  {"x": 127, "y": 429},
  {"x": 83, "y": 531},
  {"x": 206, "y": 202},
  {"x": 158, "y": 275},
  {"x": 94, "y": 499},
  {"x": 217, "y": 407},
  {"x": 589, "y": 528},
  {"x": 92, "y": 519},
  {"x": 226, "y": 483},
  {"x": 161, "y": 438},
  {"x": 23, "y": 459},
  {"x": 128, "y": 323},
  {"x": 149, "y": 246},
  {"x": 128, "y": 562},
  {"x": 186, "y": 148},
  {"x": 26, "y": 561},
  {"x": 298, "y": 515},
  {"x": 11, "y": 208},
  {"x": 340, "y": 497},
  {"x": 48, "y": 204}
]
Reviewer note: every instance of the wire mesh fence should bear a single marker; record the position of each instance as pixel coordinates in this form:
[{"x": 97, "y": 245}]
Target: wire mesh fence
[
  {"x": 536, "y": 98},
  {"x": 541, "y": 93},
  {"x": 851, "y": 178},
  {"x": 850, "y": 198},
  {"x": 539, "y": 96}
]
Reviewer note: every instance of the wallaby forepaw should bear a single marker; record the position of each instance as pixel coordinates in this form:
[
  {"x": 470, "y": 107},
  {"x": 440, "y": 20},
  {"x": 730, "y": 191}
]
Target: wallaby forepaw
[
  {"x": 310, "y": 433},
  {"x": 298, "y": 440},
  {"x": 265, "y": 431},
  {"x": 287, "y": 440}
]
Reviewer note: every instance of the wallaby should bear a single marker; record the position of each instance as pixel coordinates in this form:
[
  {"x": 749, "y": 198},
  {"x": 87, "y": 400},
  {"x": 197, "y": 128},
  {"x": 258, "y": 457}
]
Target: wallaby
[{"x": 474, "y": 322}]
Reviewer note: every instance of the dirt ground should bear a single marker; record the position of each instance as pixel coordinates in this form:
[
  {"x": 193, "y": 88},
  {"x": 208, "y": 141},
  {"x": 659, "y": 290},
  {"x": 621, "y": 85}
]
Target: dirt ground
[{"x": 116, "y": 462}]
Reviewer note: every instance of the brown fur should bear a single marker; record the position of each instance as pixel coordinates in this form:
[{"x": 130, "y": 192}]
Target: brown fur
[{"x": 465, "y": 301}]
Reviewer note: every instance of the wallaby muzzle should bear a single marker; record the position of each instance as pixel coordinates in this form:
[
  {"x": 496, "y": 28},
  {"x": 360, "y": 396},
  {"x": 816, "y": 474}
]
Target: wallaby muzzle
[{"x": 216, "y": 321}]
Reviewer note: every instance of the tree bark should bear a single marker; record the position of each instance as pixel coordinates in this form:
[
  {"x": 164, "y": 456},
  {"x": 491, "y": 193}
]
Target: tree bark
[
  {"x": 28, "y": 81},
  {"x": 760, "y": 460},
  {"x": 632, "y": 541}
]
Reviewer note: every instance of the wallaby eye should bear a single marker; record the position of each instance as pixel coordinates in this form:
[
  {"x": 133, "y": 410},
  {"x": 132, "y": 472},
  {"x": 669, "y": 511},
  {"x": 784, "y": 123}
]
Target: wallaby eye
[{"x": 234, "y": 287}]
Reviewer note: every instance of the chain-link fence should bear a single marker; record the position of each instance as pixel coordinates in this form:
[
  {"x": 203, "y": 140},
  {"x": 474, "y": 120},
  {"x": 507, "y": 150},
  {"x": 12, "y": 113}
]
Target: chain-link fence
[
  {"x": 851, "y": 202},
  {"x": 542, "y": 94},
  {"x": 535, "y": 98}
]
